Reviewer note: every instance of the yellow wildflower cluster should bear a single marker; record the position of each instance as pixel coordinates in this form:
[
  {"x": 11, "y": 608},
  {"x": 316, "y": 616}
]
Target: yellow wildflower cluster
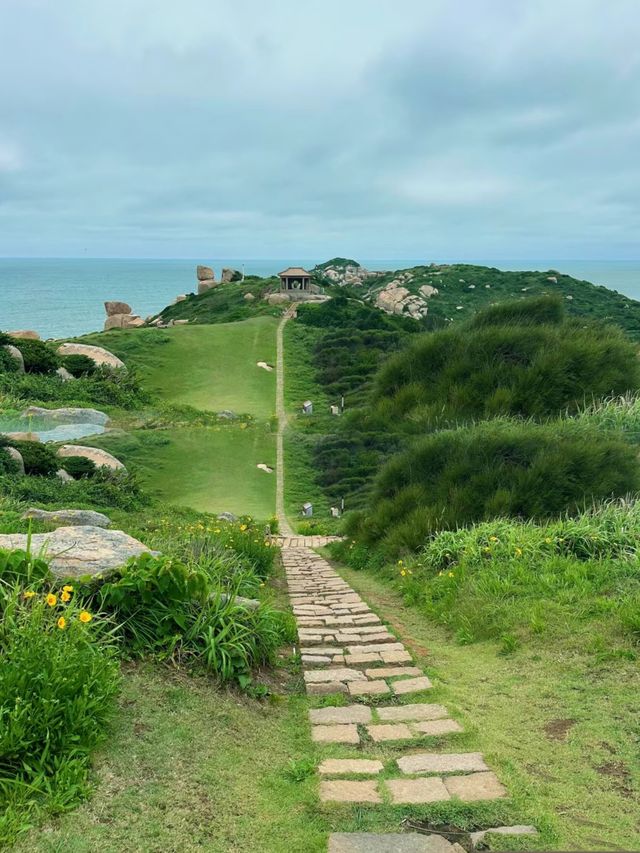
[{"x": 51, "y": 600}]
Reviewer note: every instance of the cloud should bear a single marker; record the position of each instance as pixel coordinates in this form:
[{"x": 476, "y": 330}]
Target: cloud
[{"x": 439, "y": 129}]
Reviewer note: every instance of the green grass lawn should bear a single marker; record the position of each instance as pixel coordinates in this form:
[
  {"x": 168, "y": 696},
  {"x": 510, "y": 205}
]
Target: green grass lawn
[
  {"x": 208, "y": 367},
  {"x": 211, "y": 469}
]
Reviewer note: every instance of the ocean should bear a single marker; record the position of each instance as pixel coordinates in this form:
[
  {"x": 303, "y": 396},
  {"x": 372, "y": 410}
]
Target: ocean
[{"x": 61, "y": 297}]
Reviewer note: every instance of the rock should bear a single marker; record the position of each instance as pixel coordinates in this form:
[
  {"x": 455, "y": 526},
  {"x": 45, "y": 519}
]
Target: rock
[
  {"x": 180, "y": 322},
  {"x": 239, "y": 601},
  {"x": 227, "y": 516},
  {"x": 519, "y": 829},
  {"x": 180, "y": 298},
  {"x": 264, "y": 365},
  {"x": 229, "y": 274},
  {"x": 64, "y": 374},
  {"x": 61, "y": 474},
  {"x": 123, "y": 321},
  {"x": 99, "y": 457},
  {"x": 25, "y": 334},
  {"x": 277, "y": 298},
  {"x": 552, "y": 278},
  {"x": 113, "y": 308},
  {"x": 22, "y": 436},
  {"x": 389, "y": 842},
  {"x": 205, "y": 284},
  {"x": 428, "y": 291},
  {"x": 77, "y": 551},
  {"x": 68, "y": 415},
  {"x": 263, "y": 467},
  {"x": 66, "y": 517},
  {"x": 249, "y": 297},
  {"x": 17, "y": 458},
  {"x": 99, "y": 356},
  {"x": 205, "y": 273},
  {"x": 227, "y": 415},
  {"x": 15, "y": 353}
]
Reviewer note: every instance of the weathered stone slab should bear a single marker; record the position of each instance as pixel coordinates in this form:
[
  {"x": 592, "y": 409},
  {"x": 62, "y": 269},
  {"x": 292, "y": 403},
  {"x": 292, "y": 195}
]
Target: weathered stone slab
[
  {"x": 376, "y": 647},
  {"x": 355, "y": 660},
  {"x": 335, "y": 734},
  {"x": 427, "y": 790},
  {"x": 316, "y": 659},
  {"x": 368, "y": 688},
  {"x": 389, "y": 842},
  {"x": 477, "y": 786},
  {"x": 344, "y": 714},
  {"x": 412, "y": 712},
  {"x": 318, "y": 676},
  {"x": 437, "y": 727},
  {"x": 432, "y": 762},
  {"x": 390, "y": 731},
  {"x": 68, "y": 517},
  {"x": 344, "y": 766},
  {"x": 326, "y": 689},
  {"x": 349, "y": 792},
  {"x": 519, "y": 829},
  {"x": 392, "y": 671},
  {"x": 411, "y": 685},
  {"x": 395, "y": 657},
  {"x": 99, "y": 355}
]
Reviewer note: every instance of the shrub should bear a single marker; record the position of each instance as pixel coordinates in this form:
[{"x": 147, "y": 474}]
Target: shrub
[
  {"x": 58, "y": 682},
  {"x": 39, "y": 459},
  {"x": 79, "y": 365},
  {"x": 498, "y": 468},
  {"x": 78, "y": 466},
  {"x": 8, "y": 363},
  {"x": 105, "y": 489},
  {"x": 38, "y": 356},
  {"x": 534, "y": 311}
]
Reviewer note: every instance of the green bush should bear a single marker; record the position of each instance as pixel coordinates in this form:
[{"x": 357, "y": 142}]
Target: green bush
[
  {"x": 39, "y": 459},
  {"x": 537, "y": 310},
  {"x": 498, "y": 468},
  {"x": 79, "y": 365},
  {"x": 485, "y": 370},
  {"x": 38, "y": 356},
  {"x": 103, "y": 387},
  {"x": 58, "y": 683},
  {"x": 8, "y": 363},
  {"x": 78, "y": 466},
  {"x": 104, "y": 490}
]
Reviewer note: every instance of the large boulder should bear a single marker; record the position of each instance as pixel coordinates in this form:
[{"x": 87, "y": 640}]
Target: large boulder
[
  {"x": 116, "y": 308},
  {"x": 100, "y": 356},
  {"x": 21, "y": 436},
  {"x": 229, "y": 274},
  {"x": 66, "y": 517},
  {"x": 17, "y": 458},
  {"x": 64, "y": 374},
  {"x": 15, "y": 353},
  {"x": 205, "y": 273},
  {"x": 205, "y": 284},
  {"x": 68, "y": 415},
  {"x": 123, "y": 321},
  {"x": 73, "y": 552},
  {"x": 25, "y": 334},
  {"x": 277, "y": 298},
  {"x": 249, "y": 297},
  {"x": 99, "y": 457}
]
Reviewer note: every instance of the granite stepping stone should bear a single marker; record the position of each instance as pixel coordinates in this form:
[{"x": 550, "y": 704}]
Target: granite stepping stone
[
  {"x": 368, "y": 688},
  {"x": 412, "y": 712},
  {"x": 335, "y": 734},
  {"x": 344, "y": 791},
  {"x": 411, "y": 685},
  {"x": 391, "y": 731},
  {"x": 317, "y": 676},
  {"x": 437, "y": 727},
  {"x": 344, "y": 714},
  {"x": 426, "y": 790},
  {"x": 477, "y": 786},
  {"x": 345, "y": 766},
  {"x": 432, "y": 762}
]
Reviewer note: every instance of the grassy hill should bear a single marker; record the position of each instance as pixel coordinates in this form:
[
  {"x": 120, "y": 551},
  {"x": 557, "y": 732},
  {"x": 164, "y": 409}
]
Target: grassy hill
[{"x": 226, "y": 303}]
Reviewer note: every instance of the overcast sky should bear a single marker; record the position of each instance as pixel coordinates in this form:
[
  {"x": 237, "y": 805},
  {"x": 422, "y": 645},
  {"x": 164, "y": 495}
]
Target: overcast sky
[{"x": 274, "y": 128}]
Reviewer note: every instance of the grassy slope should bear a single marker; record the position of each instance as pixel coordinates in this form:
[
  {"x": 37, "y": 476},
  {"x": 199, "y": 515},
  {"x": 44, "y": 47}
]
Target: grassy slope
[
  {"x": 209, "y": 367},
  {"x": 226, "y": 303}
]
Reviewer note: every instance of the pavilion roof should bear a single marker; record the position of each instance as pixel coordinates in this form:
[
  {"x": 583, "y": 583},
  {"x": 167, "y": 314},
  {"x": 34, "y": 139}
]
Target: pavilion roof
[{"x": 294, "y": 271}]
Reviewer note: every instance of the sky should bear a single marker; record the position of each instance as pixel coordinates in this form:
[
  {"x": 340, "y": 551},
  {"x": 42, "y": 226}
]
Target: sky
[{"x": 363, "y": 128}]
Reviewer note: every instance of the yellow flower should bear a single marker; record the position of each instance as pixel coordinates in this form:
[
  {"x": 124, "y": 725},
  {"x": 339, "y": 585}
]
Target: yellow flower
[
  {"x": 518, "y": 552},
  {"x": 440, "y": 574},
  {"x": 399, "y": 562},
  {"x": 548, "y": 540},
  {"x": 403, "y": 573},
  {"x": 65, "y": 597},
  {"x": 85, "y": 616},
  {"x": 29, "y": 594},
  {"x": 51, "y": 600},
  {"x": 450, "y": 575},
  {"x": 62, "y": 623},
  {"x": 493, "y": 539},
  {"x": 67, "y": 588},
  {"x": 217, "y": 530},
  {"x": 243, "y": 527}
]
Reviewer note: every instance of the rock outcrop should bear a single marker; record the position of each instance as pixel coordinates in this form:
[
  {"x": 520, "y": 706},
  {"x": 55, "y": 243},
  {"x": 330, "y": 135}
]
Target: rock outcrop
[
  {"x": 277, "y": 298},
  {"x": 73, "y": 552},
  {"x": 17, "y": 458},
  {"x": 99, "y": 457},
  {"x": 342, "y": 275},
  {"x": 25, "y": 334},
  {"x": 396, "y": 298},
  {"x": 205, "y": 273},
  {"x": 123, "y": 321},
  {"x": 229, "y": 274},
  {"x": 15, "y": 353},
  {"x": 116, "y": 308},
  {"x": 66, "y": 517},
  {"x": 68, "y": 415},
  {"x": 100, "y": 356}
]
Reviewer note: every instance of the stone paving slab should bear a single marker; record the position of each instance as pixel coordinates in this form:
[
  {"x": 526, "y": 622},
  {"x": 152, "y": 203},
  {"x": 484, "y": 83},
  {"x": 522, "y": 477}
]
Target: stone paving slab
[
  {"x": 345, "y": 766},
  {"x": 392, "y": 671},
  {"x": 390, "y": 731},
  {"x": 476, "y": 786},
  {"x": 437, "y": 727},
  {"x": 389, "y": 842},
  {"x": 335, "y": 734},
  {"x": 327, "y": 688},
  {"x": 344, "y": 714},
  {"x": 316, "y": 676},
  {"x": 368, "y": 688},
  {"x": 433, "y": 762},
  {"x": 343, "y": 791},
  {"x": 425, "y": 790},
  {"x": 412, "y": 712},
  {"x": 411, "y": 685}
]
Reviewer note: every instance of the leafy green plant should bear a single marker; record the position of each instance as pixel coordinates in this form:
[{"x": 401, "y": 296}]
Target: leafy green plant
[
  {"x": 38, "y": 356},
  {"x": 39, "y": 459},
  {"x": 79, "y": 365},
  {"x": 78, "y": 466}
]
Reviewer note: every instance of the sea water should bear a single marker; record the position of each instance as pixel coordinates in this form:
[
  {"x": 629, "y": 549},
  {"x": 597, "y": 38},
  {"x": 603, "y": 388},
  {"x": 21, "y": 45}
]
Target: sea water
[{"x": 61, "y": 297}]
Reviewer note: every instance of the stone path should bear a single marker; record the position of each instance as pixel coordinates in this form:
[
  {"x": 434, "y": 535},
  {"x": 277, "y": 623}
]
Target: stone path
[{"x": 346, "y": 649}]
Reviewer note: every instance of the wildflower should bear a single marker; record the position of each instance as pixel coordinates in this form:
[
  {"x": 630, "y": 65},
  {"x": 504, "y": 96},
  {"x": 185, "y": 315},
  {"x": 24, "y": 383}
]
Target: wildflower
[
  {"x": 67, "y": 588},
  {"x": 217, "y": 530},
  {"x": 486, "y": 549},
  {"x": 518, "y": 552},
  {"x": 62, "y": 623},
  {"x": 28, "y": 594},
  {"x": 261, "y": 584},
  {"x": 51, "y": 600},
  {"x": 450, "y": 575},
  {"x": 548, "y": 540},
  {"x": 493, "y": 539},
  {"x": 65, "y": 597},
  {"x": 399, "y": 562},
  {"x": 85, "y": 616},
  {"x": 243, "y": 527},
  {"x": 403, "y": 573},
  {"x": 440, "y": 574}
]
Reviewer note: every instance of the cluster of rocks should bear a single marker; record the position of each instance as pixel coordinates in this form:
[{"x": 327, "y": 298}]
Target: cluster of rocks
[
  {"x": 351, "y": 274},
  {"x": 119, "y": 316},
  {"x": 207, "y": 278},
  {"x": 396, "y": 298}
]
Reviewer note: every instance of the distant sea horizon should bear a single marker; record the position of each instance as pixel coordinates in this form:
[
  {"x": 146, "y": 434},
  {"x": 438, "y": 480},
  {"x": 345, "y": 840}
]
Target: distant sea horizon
[{"x": 63, "y": 297}]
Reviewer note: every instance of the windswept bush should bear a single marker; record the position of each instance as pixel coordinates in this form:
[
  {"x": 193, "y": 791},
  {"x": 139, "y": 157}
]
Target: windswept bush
[
  {"x": 498, "y": 468},
  {"x": 78, "y": 466},
  {"x": 39, "y": 459},
  {"x": 105, "y": 489},
  {"x": 506, "y": 362},
  {"x": 79, "y": 365},
  {"x": 38, "y": 356}
]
